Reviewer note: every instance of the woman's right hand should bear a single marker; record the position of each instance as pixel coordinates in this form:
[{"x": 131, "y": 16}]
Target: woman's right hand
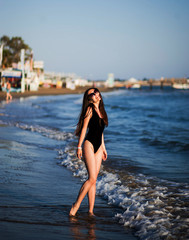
[{"x": 79, "y": 153}]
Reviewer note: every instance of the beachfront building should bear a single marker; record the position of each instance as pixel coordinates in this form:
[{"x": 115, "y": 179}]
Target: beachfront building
[
  {"x": 52, "y": 79},
  {"x": 132, "y": 83},
  {"x": 24, "y": 75},
  {"x": 70, "y": 84},
  {"x": 38, "y": 67},
  {"x": 64, "y": 80},
  {"x": 99, "y": 83},
  {"x": 81, "y": 82},
  {"x": 119, "y": 83},
  {"x": 14, "y": 76},
  {"x": 78, "y": 82},
  {"x": 110, "y": 80},
  {"x": 57, "y": 80}
]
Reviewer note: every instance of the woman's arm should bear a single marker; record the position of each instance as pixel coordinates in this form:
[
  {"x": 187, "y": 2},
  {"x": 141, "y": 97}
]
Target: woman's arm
[
  {"x": 104, "y": 156},
  {"x": 83, "y": 132}
]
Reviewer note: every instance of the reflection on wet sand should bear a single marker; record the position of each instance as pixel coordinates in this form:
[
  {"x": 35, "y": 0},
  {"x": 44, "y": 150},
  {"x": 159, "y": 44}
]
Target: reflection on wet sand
[{"x": 83, "y": 228}]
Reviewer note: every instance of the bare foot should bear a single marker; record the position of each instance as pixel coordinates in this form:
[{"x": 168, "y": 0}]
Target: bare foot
[
  {"x": 73, "y": 210},
  {"x": 91, "y": 214}
]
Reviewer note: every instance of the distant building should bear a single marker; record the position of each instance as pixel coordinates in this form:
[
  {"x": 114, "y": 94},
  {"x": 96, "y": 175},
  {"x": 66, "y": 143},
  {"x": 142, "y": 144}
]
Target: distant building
[
  {"x": 110, "y": 80},
  {"x": 38, "y": 65},
  {"x": 80, "y": 82},
  {"x": 132, "y": 80},
  {"x": 70, "y": 83}
]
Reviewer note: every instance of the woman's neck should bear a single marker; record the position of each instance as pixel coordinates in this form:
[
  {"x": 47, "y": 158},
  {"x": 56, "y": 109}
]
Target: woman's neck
[
  {"x": 96, "y": 105},
  {"x": 97, "y": 110}
]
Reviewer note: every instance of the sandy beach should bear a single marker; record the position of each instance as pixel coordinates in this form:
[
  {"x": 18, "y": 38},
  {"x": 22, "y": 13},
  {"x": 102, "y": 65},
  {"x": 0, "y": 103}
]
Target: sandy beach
[{"x": 50, "y": 91}]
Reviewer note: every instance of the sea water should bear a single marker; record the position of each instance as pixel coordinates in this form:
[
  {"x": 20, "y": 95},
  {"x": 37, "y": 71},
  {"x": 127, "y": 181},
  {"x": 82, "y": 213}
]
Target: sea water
[{"x": 146, "y": 174}]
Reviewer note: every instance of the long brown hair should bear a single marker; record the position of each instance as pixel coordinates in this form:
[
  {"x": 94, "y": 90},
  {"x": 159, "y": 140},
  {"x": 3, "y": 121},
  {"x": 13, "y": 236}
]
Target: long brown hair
[{"x": 87, "y": 103}]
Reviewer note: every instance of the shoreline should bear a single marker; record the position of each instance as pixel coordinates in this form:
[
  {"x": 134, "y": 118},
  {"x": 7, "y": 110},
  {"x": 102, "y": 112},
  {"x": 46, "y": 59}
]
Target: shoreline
[
  {"x": 37, "y": 193},
  {"x": 51, "y": 91}
]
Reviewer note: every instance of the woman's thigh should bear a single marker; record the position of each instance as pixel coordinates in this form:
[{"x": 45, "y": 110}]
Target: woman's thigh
[
  {"x": 89, "y": 158},
  {"x": 98, "y": 159}
]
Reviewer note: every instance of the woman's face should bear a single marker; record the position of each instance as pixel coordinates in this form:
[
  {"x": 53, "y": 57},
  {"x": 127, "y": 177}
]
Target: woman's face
[{"x": 94, "y": 95}]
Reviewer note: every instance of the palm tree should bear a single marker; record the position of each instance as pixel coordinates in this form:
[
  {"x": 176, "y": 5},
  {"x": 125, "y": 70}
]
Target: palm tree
[{"x": 12, "y": 48}]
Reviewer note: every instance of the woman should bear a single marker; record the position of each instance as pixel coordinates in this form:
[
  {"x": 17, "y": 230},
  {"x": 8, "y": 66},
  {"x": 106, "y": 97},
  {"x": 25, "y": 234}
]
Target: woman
[
  {"x": 94, "y": 118},
  {"x": 8, "y": 89}
]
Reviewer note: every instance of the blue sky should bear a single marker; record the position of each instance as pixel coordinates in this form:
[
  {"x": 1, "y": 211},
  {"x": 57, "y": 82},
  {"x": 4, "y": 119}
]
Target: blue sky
[{"x": 130, "y": 38}]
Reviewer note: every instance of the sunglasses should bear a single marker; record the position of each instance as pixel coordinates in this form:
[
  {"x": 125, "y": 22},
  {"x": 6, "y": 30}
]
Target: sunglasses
[{"x": 93, "y": 94}]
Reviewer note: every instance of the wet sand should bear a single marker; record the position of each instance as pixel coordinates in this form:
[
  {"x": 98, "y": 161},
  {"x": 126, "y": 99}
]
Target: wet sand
[
  {"x": 50, "y": 91},
  {"x": 36, "y": 195}
]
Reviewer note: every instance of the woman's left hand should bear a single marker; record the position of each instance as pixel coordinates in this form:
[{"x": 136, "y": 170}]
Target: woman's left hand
[{"x": 79, "y": 153}]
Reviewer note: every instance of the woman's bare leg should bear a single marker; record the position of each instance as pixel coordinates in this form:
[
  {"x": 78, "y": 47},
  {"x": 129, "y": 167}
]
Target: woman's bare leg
[
  {"x": 91, "y": 168},
  {"x": 8, "y": 97},
  {"x": 91, "y": 198},
  {"x": 92, "y": 190}
]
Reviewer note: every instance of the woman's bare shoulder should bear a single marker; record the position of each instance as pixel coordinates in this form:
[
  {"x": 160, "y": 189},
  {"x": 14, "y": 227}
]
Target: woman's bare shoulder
[{"x": 89, "y": 112}]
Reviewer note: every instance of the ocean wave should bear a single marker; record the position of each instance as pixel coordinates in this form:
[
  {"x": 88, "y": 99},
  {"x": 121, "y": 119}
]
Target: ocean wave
[
  {"x": 175, "y": 146},
  {"x": 114, "y": 107},
  {"x": 155, "y": 209},
  {"x": 47, "y": 132}
]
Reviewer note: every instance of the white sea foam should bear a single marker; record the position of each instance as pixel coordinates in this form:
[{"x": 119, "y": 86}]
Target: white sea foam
[
  {"x": 151, "y": 210},
  {"x": 47, "y": 132}
]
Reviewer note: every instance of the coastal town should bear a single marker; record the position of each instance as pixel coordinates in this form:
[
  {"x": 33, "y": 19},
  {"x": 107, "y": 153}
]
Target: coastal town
[{"x": 28, "y": 76}]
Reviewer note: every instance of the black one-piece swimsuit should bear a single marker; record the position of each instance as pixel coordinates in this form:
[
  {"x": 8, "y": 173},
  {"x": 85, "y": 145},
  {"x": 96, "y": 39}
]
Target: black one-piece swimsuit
[{"x": 96, "y": 128}]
